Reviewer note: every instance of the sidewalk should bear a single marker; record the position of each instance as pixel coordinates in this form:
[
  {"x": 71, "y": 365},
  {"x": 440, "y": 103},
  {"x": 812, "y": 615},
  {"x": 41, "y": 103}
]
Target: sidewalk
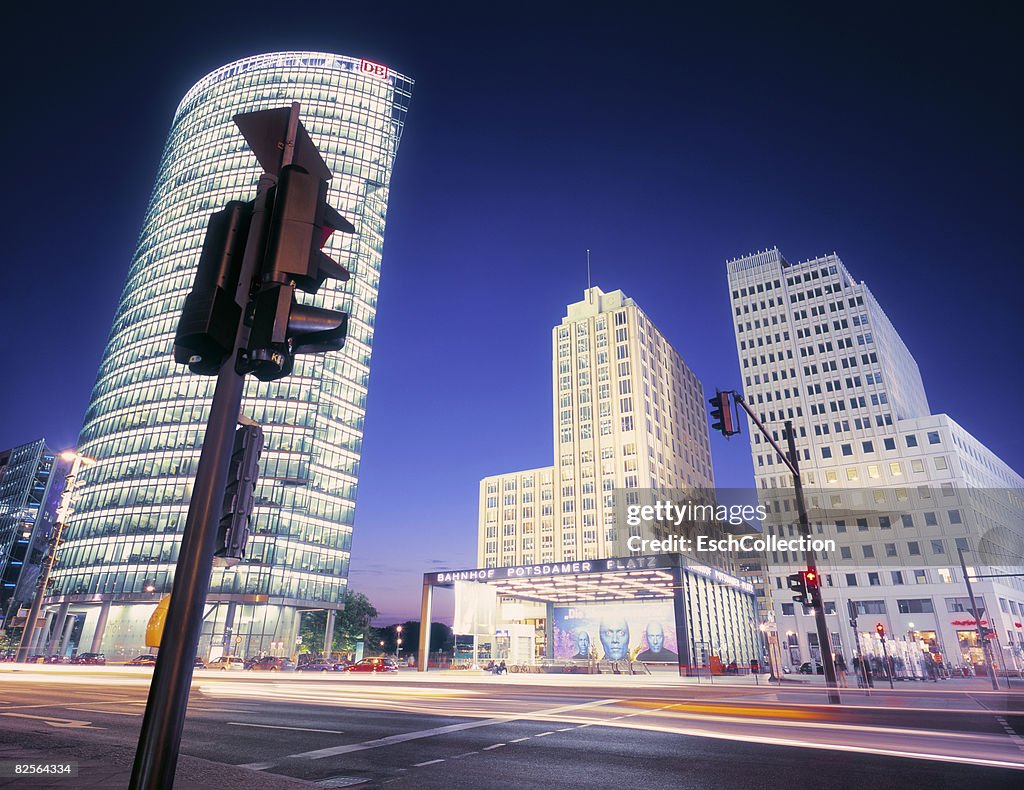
[{"x": 108, "y": 767}]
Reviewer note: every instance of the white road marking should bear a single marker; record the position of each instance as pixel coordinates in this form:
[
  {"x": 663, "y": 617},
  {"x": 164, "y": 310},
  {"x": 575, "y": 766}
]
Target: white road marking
[
  {"x": 319, "y": 754},
  {"x": 279, "y": 727},
  {"x": 54, "y": 721},
  {"x": 108, "y": 712},
  {"x": 1017, "y": 741},
  {"x": 464, "y": 754},
  {"x": 520, "y": 740},
  {"x": 542, "y": 734},
  {"x": 428, "y": 762},
  {"x": 565, "y": 729},
  {"x": 492, "y": 746}
]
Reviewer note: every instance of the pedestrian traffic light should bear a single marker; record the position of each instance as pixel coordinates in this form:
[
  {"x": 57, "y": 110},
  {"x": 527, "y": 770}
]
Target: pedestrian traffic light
[
  {"x": 723, "y": 413},
  {"x": 211, "y": 317},
  {"x": 880, "y": 630},
  {"x": 301, "y": 223},
  {"x": 798, "y": 584},
  {"x": 244, "y": 471}
]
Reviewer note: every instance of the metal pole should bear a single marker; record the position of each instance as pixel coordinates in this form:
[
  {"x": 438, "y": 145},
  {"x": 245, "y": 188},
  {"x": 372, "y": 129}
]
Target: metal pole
[
  {"x": 977, "y": 621},
  {"x": 885, "y": 657},
  {"x": 824, "y": 641},
  {"x": 157, "y": 754}
]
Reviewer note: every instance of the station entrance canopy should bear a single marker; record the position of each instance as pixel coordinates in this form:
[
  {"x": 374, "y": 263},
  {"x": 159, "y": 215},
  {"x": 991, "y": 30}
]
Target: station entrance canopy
[{"x": 711, "y": 610}]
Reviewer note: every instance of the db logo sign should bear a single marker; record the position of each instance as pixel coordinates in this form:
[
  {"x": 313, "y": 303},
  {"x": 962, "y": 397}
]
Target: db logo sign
[{"x": 375, "y": 69}]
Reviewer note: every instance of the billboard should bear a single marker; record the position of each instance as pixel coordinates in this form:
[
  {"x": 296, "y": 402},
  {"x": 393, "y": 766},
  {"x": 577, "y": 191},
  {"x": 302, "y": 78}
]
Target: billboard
[{"x": 627, "y": 631}]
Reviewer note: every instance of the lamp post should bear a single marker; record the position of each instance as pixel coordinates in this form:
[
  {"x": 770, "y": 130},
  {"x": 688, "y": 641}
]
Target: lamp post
[
  {"x": 78, "y": 462},
  {"x": 398, "y": 642}
]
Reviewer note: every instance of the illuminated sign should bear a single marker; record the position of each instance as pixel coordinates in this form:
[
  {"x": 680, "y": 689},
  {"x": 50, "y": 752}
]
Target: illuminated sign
[
  {"x": 609, "y": 565},
  {"x": 374, "y": 69}
]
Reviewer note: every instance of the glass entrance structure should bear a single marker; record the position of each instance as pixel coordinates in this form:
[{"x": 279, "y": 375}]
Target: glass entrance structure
[
  {"x": 621, "y": 615},
  {"x": 147, "y": 415}
]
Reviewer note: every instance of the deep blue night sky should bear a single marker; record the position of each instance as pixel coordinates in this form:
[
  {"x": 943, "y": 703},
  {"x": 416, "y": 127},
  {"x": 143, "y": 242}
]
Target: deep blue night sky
[{"x": 665, "y": 141}]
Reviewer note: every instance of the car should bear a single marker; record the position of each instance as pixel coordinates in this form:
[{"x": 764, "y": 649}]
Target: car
[
  {"x": 373, "y": 665},
  {"x": 805, "y": 668},
  {"x": 198, "y": 663},
  {"x": 321, "y": 665},
  {"x": 272, "y": 664},
  {"x": 90, "y": 658},
  {"x": 225, "y": 663},
  {"x": 145, "y": 660}
]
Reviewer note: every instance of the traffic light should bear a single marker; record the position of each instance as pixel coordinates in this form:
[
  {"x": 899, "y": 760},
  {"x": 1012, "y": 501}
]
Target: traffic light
[
  {"x": 812, "y": 583},
  {"x": 723, "y": 413},
  {"x": 798, "y": 584},
  {"x": 301, "y": 223},
  {"x": 244, "y": 471},
  {"x": 880, "y": 630},
  {"x": 210, "y": 318}
]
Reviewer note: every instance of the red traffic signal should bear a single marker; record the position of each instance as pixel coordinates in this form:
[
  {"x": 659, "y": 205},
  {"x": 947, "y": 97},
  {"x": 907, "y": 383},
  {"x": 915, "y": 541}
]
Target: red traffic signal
[{"x": 880, "y": 629}]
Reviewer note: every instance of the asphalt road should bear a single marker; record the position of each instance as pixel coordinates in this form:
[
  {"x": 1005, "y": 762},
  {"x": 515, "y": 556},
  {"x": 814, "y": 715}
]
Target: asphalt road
[{"x": 446, "y": 732}]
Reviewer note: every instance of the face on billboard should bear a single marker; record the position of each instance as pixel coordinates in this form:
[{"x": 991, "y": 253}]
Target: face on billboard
[
  {"x": 614, "y": 633},
  {"x": 582, "y": 643},
  {"x": 655, "y": 633}
]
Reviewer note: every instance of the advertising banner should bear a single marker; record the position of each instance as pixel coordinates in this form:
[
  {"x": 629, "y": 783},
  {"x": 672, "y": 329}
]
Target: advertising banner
[{"x": 628, "y": 631}]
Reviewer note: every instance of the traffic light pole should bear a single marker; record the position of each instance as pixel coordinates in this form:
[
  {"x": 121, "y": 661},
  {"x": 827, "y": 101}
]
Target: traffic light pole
[
  {"x": 157, "y": 754},
  {"x": 791, "y": 461},
  {"x": 977, "y": 622}
]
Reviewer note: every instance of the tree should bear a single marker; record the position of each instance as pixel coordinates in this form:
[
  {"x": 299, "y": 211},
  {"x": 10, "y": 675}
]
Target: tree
[{"x": 351, "y": 625}]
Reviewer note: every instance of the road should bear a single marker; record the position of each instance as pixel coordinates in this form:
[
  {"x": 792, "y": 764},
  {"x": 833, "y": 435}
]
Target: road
[{"x": 438, "y": 731}]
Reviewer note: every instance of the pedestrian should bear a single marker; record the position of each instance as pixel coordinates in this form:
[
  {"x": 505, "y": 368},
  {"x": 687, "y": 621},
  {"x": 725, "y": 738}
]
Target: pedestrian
[
  {"x": 840, "y": 664},
  {"x": 502, "y": 668}
]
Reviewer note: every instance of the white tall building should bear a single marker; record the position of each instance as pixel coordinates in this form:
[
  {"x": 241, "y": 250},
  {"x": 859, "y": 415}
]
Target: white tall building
[
  {"x": 147, "y": 415},
  {"x": 899, "y": 489},
  {"x": 628, "y": 414}
]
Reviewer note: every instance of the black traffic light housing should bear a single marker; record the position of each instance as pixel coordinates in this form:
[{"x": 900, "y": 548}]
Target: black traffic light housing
[
  {"x": 211, "y": 317},
  {"x": 243, "y": 473},
  {"x": 798, "y": 584},
  {"x": 723, "y": 413},
  {"x": 300, "y": 224}
]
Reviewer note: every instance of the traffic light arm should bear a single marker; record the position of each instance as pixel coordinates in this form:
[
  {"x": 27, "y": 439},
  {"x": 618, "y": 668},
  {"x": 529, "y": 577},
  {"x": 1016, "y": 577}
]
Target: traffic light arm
[{"x": 764, "y": 432}]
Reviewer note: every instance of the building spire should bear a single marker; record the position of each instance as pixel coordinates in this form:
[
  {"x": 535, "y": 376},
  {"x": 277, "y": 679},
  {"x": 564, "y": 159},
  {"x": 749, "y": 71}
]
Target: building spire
[{"x": 588, "y": 276}]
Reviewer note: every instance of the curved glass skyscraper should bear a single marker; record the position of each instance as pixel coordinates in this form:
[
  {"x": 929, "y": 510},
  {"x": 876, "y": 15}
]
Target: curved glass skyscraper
[{"x": 147, "y": 415}]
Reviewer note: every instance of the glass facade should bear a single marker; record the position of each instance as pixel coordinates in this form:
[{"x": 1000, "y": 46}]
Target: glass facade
[
  {"x": 147, "y": 415},
  {"x": 26, "y": 472}
]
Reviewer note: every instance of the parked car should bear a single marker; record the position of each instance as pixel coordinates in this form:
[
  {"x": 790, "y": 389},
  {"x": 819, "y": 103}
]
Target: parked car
[
  {"x": 89, "y": 658},
  {"x": 145, "y": 660},
  {"x": 317, "y": 665},
  {"x": 225, "y": 663},
  {"x": 373, "y": 665},
  {"x": 806, "y": 669},
  {"x": 273, "y": 664}
]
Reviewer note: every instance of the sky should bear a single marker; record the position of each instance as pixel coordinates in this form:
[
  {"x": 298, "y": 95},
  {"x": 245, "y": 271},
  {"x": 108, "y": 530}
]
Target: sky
[{"x": 666, "y": 139}]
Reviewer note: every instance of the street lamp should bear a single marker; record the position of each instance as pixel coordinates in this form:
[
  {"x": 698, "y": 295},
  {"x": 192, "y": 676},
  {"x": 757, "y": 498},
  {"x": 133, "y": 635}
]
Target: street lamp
[
  {"x": 78, "y": 462},
  {"x": 398, "y": 641}
]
